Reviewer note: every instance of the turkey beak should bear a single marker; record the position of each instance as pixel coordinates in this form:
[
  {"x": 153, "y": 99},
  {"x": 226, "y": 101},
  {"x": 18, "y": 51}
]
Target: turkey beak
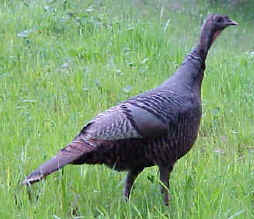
[{"x": 231, "y": 22}]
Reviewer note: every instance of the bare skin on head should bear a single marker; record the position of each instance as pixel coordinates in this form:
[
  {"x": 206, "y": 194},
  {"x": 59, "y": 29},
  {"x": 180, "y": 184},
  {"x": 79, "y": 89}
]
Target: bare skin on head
[{"x": 157, "y": 127}]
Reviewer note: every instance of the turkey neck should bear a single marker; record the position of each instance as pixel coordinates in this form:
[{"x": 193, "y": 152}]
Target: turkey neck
[
  {"x": 207, "y": 37},
  {"x": 190, "y": 74}
]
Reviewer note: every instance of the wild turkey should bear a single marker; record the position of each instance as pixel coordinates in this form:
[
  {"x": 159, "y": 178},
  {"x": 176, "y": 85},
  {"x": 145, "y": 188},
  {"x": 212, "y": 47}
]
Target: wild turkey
[{"x": 153, "y": 128}]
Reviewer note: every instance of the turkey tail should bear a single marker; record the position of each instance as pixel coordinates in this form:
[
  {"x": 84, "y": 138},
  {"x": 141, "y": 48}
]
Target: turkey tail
[
  {"x": 45, "y": 169},
  {"x": 67, "y": 155}
]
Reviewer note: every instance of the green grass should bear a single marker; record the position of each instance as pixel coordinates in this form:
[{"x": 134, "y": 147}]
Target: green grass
[{"x": 62, "y": 62}]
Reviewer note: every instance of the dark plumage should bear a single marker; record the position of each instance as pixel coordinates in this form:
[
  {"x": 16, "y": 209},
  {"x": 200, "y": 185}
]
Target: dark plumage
[{"x": 153, "y": 128}]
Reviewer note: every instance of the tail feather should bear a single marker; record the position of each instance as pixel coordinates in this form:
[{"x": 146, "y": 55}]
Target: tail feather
[
  {"x": 67, "y": 155},
  {"x": 48, "y": 167}
]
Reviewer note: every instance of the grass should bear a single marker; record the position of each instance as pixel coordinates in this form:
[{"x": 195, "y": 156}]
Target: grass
[{"x": 62, "y": 62}]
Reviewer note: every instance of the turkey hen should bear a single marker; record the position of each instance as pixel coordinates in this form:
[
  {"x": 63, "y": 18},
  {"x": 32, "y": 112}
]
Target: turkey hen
[{"x": 156, "y": 127}]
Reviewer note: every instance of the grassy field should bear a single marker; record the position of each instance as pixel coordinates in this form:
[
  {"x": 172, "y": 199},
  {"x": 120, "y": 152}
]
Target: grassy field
[{"x": 62, "y": 62}]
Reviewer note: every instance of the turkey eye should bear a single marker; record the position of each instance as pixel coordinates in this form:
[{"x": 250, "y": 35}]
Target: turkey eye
[{"x": 220, "y": 19}]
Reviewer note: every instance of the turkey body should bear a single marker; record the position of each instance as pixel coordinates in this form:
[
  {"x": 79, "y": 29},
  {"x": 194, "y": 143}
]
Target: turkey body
[
  {"x": 167, "y": 132},
  {"x": 154, "y": 128}
]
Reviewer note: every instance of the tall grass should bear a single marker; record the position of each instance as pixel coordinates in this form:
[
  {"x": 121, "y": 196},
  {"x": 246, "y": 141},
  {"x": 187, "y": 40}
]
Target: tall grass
[{"x": 62, "y": 62}]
